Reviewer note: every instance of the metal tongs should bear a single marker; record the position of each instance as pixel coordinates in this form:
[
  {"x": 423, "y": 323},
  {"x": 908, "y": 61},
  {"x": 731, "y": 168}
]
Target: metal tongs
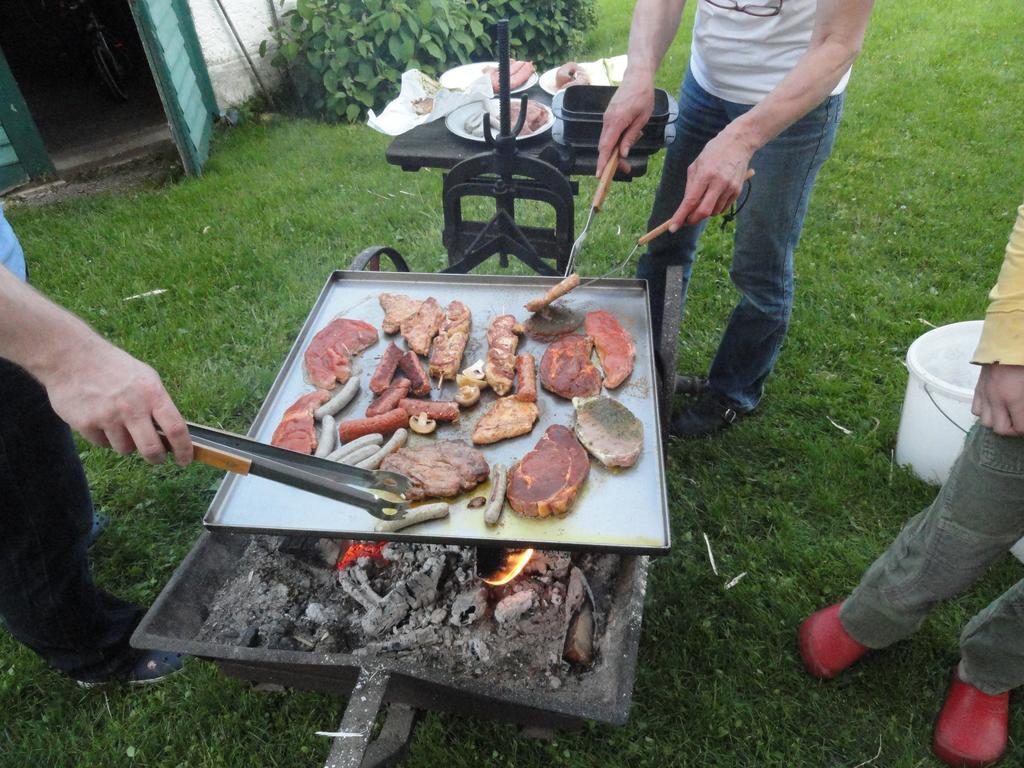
[{"x": 380, "y": 493}]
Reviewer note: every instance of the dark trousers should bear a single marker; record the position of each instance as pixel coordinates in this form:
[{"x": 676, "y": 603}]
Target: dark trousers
[{"x": 48, "y": 600}]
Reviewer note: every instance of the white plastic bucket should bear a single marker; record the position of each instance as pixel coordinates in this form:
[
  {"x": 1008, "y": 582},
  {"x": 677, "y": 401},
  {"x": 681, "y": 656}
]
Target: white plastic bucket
[{"x": 936, "y": 412}]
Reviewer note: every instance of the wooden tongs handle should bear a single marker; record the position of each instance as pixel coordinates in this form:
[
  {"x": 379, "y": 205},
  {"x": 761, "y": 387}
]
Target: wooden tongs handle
[
  {"x": 663, "y": 227},
  {"x": 606, "y": 179},
  {"x": 217, "y": 458}
]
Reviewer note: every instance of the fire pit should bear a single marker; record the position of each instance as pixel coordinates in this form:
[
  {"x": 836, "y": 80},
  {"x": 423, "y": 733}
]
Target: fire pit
[{"x": 410, "y": 625}]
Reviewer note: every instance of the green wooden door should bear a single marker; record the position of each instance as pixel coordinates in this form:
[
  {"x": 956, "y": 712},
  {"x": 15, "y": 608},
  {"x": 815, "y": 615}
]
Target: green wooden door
[
  {"x": 169, "y": 37},
  {"x": 22, "y": 153}
]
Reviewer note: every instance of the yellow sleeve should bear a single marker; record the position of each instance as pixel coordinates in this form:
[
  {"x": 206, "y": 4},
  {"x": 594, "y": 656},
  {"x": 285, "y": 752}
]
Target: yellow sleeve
[{"x": 1002, "y": 338}]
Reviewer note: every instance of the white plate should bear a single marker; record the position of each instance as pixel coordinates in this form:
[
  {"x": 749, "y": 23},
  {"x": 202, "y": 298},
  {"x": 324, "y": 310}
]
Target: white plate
[
  {"x": 456, "y": 122},
  {"x": 595, "y": 71},
  {"x": 459, "y": 78}
]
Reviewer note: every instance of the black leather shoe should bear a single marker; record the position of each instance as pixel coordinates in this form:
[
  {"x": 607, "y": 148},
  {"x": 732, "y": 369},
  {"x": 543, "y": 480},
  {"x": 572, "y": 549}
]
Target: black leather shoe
[
  {"x": 691, "y": 385},
  {"x": 705, "y": 417}
]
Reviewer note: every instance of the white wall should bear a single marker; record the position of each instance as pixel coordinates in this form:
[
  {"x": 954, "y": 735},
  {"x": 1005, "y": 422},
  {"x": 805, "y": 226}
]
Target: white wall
[{"x": 233, "y": 82}]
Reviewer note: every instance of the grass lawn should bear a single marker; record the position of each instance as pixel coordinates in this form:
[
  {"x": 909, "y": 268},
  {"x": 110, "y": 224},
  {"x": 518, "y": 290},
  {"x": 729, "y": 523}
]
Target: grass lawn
[{"x": 906, "y": 229}]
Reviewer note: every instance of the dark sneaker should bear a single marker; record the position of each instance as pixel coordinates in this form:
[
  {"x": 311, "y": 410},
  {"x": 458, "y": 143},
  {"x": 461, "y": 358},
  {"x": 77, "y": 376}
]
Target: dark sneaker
[
  {"x": 691, "y": 385},
  {"x": 705, "y": 417},
  {"x": 145, "y": 668}
]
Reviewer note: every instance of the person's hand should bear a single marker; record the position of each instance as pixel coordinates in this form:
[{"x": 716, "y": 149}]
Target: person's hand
[
  {"x": 714, "y": 180},
  {"x": 113, "y": 400},
  {"x": 999, "y": 399},
  {"x": 625, "y": 118}
]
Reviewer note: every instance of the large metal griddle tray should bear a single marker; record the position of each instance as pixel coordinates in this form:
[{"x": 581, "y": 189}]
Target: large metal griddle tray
[{"x": 617, "y": 510}]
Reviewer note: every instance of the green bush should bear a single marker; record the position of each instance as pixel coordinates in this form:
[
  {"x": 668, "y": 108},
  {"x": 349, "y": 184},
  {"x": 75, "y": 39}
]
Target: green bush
[{"x": 343, "y": 55}]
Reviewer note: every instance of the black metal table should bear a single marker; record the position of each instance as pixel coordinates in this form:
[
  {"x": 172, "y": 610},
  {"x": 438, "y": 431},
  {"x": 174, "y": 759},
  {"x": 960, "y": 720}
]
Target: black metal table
[{"x": 432, "y": 145}]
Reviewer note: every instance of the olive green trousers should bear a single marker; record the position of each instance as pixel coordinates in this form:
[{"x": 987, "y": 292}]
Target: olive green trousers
[{"x": 976, "y": 518}]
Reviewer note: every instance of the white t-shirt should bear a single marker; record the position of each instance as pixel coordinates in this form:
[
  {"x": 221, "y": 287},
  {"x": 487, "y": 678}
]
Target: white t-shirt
[{"x": 741, "y": 58}]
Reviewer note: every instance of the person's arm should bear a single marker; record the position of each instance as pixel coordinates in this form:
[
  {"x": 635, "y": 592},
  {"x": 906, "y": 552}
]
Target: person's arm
[
  {"x": 651, "y": 33},
  {"x": 999, "y": 395},
  {"x": 101, "y": 391}
]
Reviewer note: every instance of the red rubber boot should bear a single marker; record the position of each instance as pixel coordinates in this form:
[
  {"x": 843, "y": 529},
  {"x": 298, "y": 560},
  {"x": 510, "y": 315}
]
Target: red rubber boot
[
  {"x": 825, "y": 646},
  {"x": 972, "y": 728}
]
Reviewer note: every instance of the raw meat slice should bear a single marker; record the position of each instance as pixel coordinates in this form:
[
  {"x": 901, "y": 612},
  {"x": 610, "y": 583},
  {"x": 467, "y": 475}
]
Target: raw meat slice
[
  {"x": 438, "y": 469},
  {"x": 557, "y": 291},
  {"x": 450, "y": 342},
  {"x": 566, "y": 369},
  {"x": 438, "y": 410},
  {"x": 526, "y": 379},
  {"x": 297, "y": 430},
  {"x": 328, "y": 358},
  {"x": 422, "y": 326},
  {"x": 386, "y": 368},
  {"x": 609, "y": 430},
  {"x": 389, "y": 399},
  {"x": 397, "y": 307},
  {"x": 547, "y": 479},
  {"x": 552, "y": 323},
  {"x": 615, "y": 347},
  {"x": 502, "y": 340},
  {"x": 507, "y": 418},
  {"x": 412, "y": 368}
]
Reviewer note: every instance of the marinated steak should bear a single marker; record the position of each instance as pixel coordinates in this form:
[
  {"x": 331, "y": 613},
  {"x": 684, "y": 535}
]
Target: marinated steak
[
  {"x": 615, "y": 347},
  {"x": 566, "y": 369},
  {"x": 297, "y": 430},
  {"x": 526, "y": 379},
  {"x": 502, "y": 340},
  {"x": 441, "y": 469},
  {"x": 389, "y": 399},
  {"x": 328, "y": 358},
  {"x": 547, "y": 479},
  {"x": 557, "y": 291},
  {"x": 609, "y": 430},
  {"x": 397, "y": 307},
  {"x": 386, "y": 368},
  {"x": 450, "y": 342},
  {"x": 422, "y": 326},
  {"x": 507, "y": 417}
]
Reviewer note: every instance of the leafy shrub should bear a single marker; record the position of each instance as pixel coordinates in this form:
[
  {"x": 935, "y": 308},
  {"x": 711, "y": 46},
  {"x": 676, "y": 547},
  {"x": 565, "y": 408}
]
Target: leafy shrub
[{"x": 342, "y": 55}]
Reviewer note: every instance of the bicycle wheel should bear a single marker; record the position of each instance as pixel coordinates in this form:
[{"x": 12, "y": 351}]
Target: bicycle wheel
[{"x": 113, "y": 72}]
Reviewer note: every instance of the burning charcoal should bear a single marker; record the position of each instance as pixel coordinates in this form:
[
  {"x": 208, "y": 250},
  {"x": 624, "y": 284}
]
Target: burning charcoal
[
  {"x": 574, "y": 596},
  {"x": 438, "y": 616},
  {"x": 469, "y": 607},
  {"x": 579, "y": 642},
  {"x": 514, "y": 606},
  {"x": 421, "y": 587},
  {"x": 386, "y": 615},
  {"x": 315, "y": 613}
]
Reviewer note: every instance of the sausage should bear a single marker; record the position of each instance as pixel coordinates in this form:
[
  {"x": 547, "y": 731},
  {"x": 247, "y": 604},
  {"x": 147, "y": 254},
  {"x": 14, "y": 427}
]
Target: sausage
[
  {"x": 410, "y": 365},
  {"x": 328, "y": 437},
  {"x": 526, "y": 379},
  {"x": 341, "y": 398},
  {"x": 397, "y": 441},
  {"x": 415, "y": 515},
  {"x": 496, "y": 500},
  {"x": 359, "y": 454},
  {"x": 556, "y": 291},
  {"x": 438, "y": 410},
  {"x": 385, "y": 423},
  {"x": 381, "y": 378},
  {"x": 388, "y": 399},
  {"x": 374, "y": 439}
]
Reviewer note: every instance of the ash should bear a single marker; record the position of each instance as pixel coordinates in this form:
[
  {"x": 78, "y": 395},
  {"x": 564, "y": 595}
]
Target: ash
[{"x": 422, "y": 603}]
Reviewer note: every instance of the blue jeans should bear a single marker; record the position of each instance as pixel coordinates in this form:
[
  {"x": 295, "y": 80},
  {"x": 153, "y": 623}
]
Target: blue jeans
[{"x": 767, "y": 232}]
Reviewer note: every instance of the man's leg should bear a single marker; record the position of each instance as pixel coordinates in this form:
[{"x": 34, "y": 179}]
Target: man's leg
[
  {"x": 49, "y": 601},
  {"x": 701, "y": 117},
  {"x": 767, "y": 232},
  {"x": 976, "y": 518}
]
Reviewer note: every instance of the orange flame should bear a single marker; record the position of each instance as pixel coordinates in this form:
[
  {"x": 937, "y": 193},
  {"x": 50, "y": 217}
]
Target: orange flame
[
  {"x": 359, "y": 549},
  {"x": 514, "y": 564}
]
